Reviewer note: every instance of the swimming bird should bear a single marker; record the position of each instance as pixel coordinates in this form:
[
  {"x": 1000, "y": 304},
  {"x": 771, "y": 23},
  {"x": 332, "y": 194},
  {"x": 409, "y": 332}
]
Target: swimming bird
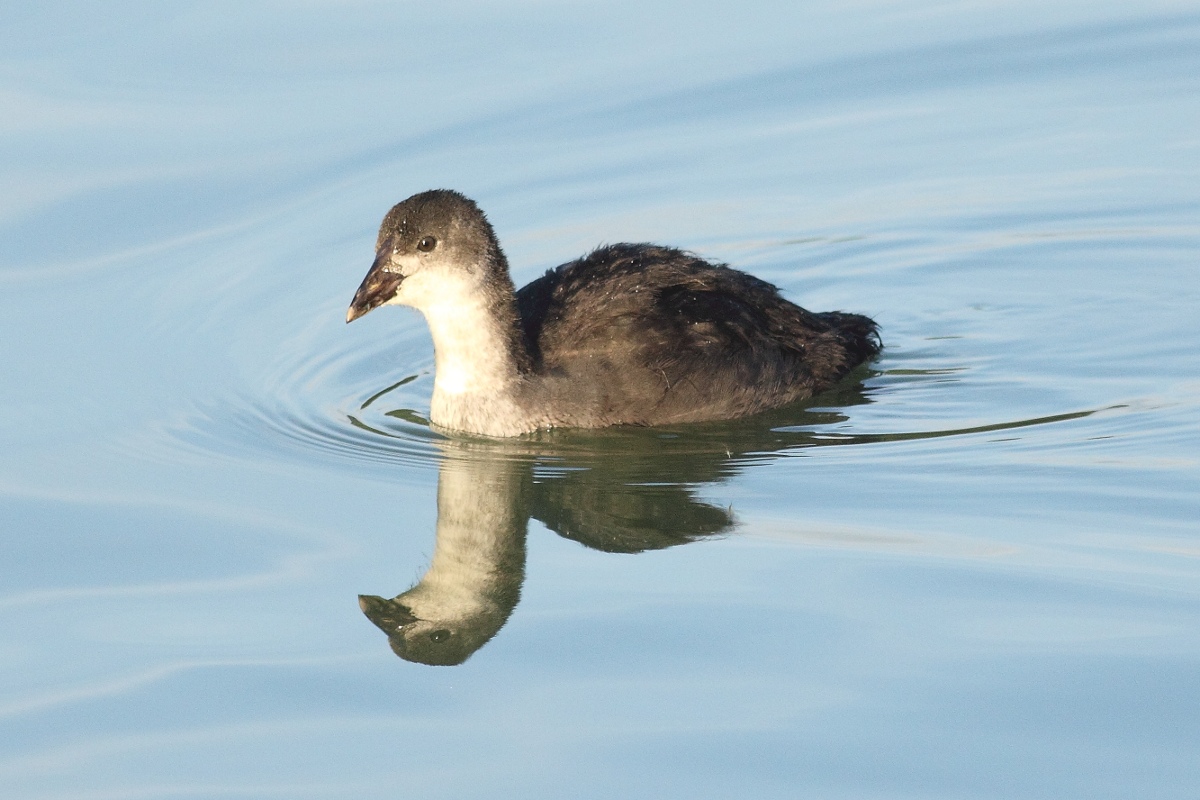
[{"x": 629, "y": 334}]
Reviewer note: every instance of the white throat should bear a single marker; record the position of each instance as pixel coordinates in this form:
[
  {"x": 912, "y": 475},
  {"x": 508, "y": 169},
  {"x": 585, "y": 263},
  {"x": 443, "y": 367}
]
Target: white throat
[
  {"x": 476, "y": 378},
  {"x": 470, "y": 349}
]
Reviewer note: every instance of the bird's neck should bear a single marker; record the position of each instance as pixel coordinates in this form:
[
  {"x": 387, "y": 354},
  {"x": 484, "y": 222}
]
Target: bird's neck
[{"x": 481, "y": 359}]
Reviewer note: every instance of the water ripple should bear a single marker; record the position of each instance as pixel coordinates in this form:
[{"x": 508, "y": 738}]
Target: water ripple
[
  {"x": 328, "y": 404},
  {"x": 339, "y": 404}
]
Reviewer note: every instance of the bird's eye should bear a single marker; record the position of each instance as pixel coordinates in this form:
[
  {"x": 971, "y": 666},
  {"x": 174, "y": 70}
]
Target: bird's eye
[
  {"x": 426, "y": 244},
  {"x": 440, "y": 635}
]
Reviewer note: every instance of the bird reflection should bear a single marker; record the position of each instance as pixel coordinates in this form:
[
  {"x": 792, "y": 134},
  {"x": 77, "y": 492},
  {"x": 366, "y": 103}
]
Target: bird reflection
[
  {"x": 619, "y": 491},
  {"x": 474, "y": 580}
]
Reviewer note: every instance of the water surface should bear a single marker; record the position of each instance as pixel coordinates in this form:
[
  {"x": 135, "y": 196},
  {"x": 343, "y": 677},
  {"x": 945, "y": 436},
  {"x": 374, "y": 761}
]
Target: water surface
[{"x": 971, "y": 571}]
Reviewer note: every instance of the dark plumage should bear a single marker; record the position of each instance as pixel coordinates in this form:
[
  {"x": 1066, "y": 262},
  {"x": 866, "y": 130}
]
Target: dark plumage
[{"x": 629, "y": 334}]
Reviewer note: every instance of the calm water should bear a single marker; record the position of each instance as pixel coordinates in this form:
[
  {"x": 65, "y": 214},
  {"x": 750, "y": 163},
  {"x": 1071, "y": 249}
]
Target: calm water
[{"x": 973, "y": 572}]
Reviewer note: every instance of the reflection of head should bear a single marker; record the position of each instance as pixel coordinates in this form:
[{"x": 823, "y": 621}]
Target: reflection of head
[{"x": 439, "y": 642}]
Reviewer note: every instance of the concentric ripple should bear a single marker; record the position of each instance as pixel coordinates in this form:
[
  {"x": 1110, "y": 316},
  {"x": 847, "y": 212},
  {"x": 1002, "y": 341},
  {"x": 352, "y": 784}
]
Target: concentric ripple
[
  {"x": 326, "y": 404},
  {"x": 370, "y": 406}
]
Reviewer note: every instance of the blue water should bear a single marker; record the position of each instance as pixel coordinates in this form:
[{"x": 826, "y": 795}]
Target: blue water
[{"x": 973, "y": 571}]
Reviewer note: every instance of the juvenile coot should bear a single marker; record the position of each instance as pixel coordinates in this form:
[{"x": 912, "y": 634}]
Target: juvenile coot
[{"x": 630, "y": 334}]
